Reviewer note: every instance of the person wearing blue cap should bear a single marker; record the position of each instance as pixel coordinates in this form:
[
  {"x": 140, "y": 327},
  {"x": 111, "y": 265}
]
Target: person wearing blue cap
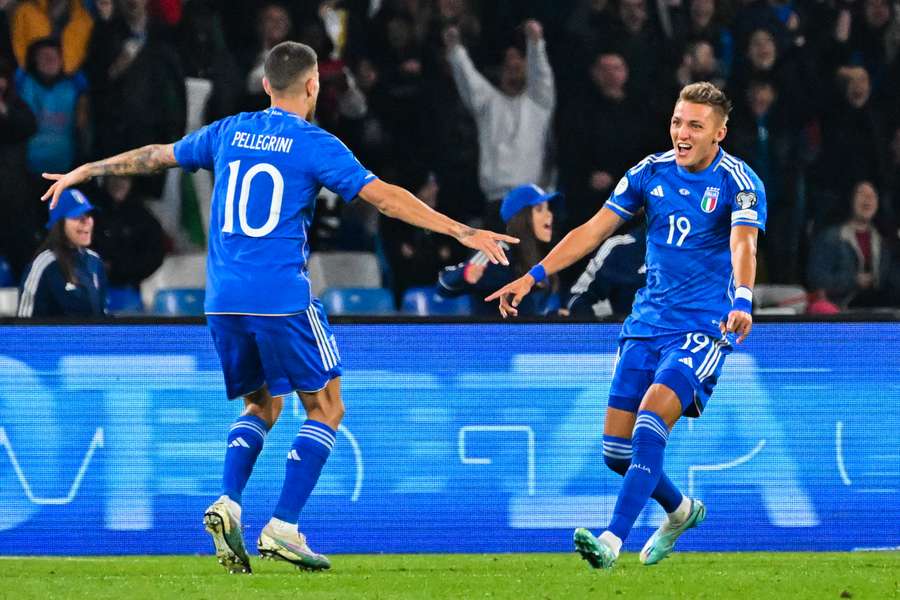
[
  {"x": 66, "y": 278},
  {"x": 527, "y": 212}
]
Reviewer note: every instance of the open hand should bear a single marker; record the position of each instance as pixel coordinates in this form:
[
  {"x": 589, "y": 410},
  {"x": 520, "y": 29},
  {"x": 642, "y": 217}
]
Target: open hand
[{"x": 63, "y": 181}]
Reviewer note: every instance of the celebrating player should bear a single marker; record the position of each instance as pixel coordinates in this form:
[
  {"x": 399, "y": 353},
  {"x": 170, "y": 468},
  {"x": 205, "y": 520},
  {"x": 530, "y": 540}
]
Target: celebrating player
[
  {"x": 704, "y": 210},
  {"x": 271, "y": 335}
]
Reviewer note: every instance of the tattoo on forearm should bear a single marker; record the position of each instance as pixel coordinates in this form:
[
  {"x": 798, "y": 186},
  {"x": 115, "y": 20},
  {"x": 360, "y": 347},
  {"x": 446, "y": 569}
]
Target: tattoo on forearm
[{"x": 142, "y": 161}]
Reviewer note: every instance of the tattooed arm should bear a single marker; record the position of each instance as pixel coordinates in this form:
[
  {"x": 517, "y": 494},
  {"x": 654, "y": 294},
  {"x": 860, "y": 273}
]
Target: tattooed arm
[{"x": 142, "y": 161}]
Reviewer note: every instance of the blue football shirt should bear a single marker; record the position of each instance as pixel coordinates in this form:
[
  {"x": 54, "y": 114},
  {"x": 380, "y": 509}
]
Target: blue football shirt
[
  {"x": 690, "y": 283},
  {"x": 269, "y": 167}
]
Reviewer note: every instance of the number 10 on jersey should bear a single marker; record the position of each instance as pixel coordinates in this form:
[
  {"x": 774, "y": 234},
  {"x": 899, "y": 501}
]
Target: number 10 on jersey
[
  {"x": 683, "y": 225},
  {"x": 246, "y": 181}
]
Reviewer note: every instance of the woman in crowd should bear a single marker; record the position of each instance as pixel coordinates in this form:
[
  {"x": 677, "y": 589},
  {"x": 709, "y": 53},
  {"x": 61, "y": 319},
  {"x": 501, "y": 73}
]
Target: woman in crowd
[
  {"x": 852, "y": 264},
  {"x": 527, "y": 212},
  {"x": 65, "y": 278}
]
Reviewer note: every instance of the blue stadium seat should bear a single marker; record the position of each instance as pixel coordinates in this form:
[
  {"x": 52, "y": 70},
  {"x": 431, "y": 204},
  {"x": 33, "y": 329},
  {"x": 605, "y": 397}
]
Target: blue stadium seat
[
  {"x": 179, "y": 302},
  {"x": 425, "y": 301},
  {"x": 124, "y": 299},
  {"x": 358, "y": 301},
  {"x": 6, "y": 274}
]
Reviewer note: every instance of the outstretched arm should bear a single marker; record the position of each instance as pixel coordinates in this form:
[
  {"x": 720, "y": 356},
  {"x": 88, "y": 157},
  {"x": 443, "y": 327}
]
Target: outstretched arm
[
  {"x": 394, "y": 201},
  {"x": 571, "y": 248},
  {"x": 141, "y": 161}
]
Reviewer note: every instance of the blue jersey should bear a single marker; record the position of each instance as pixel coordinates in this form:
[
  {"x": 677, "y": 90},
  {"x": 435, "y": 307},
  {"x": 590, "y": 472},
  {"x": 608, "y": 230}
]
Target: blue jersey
[
  {"x": 690, "y": 284},
  {"x": 269, "y": 167}
]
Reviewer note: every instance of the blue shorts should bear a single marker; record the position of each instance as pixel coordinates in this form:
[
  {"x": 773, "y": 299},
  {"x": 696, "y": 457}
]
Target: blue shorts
[
  {"x": 688, "y": 363},
  {"x": 290, "y": 353}
]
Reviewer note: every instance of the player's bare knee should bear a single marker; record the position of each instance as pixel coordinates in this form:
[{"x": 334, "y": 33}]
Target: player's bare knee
[{"x": 662, "y": 400}]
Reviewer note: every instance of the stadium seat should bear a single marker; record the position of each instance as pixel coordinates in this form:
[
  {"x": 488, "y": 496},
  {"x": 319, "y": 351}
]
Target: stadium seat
[
  {"x": 9, "y": 301},
  {"x": 179, "y": 302},
  {"x": 779, "y": 299},
  {"x": 177, "y": 271},
  {"x": 358, "y": 301},
  {"x": 424, "y": 301},
  {"x": 124, "y": 299},
  {"x": 6, "y": 274},
  {"x": 343, "y": 270}
]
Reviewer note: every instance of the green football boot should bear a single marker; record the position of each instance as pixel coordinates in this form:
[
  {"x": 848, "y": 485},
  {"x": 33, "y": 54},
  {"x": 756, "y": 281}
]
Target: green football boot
[
  {"x": 290, "y": 547},
  {"x": 662, "y": 543},
  {"x": 593, "y": 550}
]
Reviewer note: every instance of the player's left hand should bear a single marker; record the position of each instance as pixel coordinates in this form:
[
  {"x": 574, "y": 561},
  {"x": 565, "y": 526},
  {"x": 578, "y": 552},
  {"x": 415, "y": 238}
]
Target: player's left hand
[
  {"x": 63, "y": 181},
  {"x": 487, "y": 242},
  {"x": 739, "y": 322}
]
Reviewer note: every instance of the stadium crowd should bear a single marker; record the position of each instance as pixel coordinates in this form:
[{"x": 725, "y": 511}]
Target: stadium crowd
[{"x": 463, "y": 101}]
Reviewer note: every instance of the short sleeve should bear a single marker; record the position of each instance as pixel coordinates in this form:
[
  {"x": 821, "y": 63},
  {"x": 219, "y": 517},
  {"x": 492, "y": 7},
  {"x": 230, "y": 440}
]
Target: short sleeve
[
  {"x": 337, "y": 168},
  {"x": 197, "y": 150},
  {"x": 748, "y": 199},
  {"x": 628, "y": 197}
]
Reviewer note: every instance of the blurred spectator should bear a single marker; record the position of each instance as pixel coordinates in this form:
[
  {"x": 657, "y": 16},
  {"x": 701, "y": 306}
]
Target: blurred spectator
[
  {"x": 127, "y": 235},
  {"x": 6, "y": 49},
  {"x": 137, "y": 83},
  {"x": 643, "y": 46},
  {"x": 705, "y": 25},
  {"x": 613, "y": 276},
  {"x": 527, "y": 212},
  {"x": 602, "y": 132},
  {"x": 699, "y": 63},
  {"x": 892, "y": 206},
  {"x": 759, "y": 132},
  {"x": 19, "y": 236},
  {"x": 414, "y": 254},
  {"x": 65, "y": 20},
  {"x": 854, "y": 263},
  {"x": 168, "y": 11},
  {"x": 66, "y": 278},
  {"x": 513, "y": 120},
  {"x": 854, "y": 147},
  {"x": 273, "y": 26},
  {"x": 204, "y": 54},
  {"x": 59, "y": 104}
]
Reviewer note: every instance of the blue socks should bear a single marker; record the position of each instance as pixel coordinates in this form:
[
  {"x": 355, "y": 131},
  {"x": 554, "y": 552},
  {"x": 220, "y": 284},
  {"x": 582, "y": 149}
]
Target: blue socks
[
  {"x": 308, "y": 454},
  {"x": 644, "y": 472},
  {"x": 617, "y": 456},
  {"x": 245, "y": 441}
]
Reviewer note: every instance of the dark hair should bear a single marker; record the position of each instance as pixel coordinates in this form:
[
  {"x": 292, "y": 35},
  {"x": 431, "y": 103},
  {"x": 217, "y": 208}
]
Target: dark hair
[
  {"x": 286, "y": 62},
  {"x": 37, "y": 46},
  {"x": 62, "y": 248},
  {"x": 530, "y": 250}
]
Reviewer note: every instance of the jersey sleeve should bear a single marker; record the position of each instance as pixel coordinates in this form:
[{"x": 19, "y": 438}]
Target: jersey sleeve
[
  {"x": 197, "y": 150},
  {"x": 337, "y": 168},
  {"x": 628, "y": 196},
  {"x": 748, "y": 199}
]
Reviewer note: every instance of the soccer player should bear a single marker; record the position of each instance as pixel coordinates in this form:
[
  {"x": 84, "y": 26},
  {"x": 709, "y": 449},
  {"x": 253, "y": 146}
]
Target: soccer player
[
  {"x": 271, "y": 335},
  {"x": 704, "y": 210}
]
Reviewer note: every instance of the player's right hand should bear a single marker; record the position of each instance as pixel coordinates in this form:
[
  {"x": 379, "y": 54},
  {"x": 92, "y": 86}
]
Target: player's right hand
[
  {"x": 62, "y": 182},
  {"x": 511, "y": 295},
  {"x": 487, "y": 242}
]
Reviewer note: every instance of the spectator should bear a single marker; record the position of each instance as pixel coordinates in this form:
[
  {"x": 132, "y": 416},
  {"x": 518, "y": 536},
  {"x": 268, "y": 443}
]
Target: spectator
[
  {"x": 613, "y": 276},
  {"x": 138, "y": 93},
  {"x": 704, "y": 26},
  {"x": 128, "y": 236},
  {"x": 602, "y": 133},
  {"x": 853, "y": 264},
  {"x": 59, "y": 103},
  {"x": 643, "y": 47},
  {"x": 273, "y": 26},
  {"x": 20, "y": 231},
  {"x": 415, "y": 254},
  {"x": 514, "y": 120},
  {"x": 66, "y": 278},
  {"x": 892, "y": 206},
  {"x": 65, "y": 20},
  {"x": 527, "y": 212},
  {"x": 854, "y": 147},
  {"x": 699, "y": 63}
]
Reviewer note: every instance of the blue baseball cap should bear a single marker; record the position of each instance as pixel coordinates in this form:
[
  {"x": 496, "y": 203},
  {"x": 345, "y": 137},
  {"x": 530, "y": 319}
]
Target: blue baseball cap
[
  {"x": 523, "y": 197},
  {"x": 71, "y": 204}
]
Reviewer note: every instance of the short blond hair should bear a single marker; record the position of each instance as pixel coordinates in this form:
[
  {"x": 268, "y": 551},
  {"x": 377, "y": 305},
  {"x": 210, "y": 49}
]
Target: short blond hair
[{"x": 704, "y": 92}]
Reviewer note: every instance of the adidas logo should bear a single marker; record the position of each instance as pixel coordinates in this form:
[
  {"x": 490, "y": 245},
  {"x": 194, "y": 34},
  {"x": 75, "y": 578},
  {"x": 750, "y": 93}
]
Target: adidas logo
[
  {"x": 687, "y": 361},
  {"x": 657, "y": 191},
  {"x": 239, "y": 443},
  {"x": 292, "y": 455}
]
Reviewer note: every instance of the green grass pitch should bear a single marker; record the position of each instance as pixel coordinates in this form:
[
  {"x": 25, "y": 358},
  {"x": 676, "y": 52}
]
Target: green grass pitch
[{"x": 873, "y": 575}]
